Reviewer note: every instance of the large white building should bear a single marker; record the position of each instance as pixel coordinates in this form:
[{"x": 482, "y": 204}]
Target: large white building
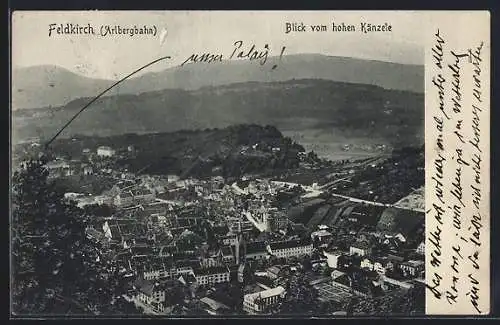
[
  {"x": 290, "y": 248},
  {"x": 212, "y": 275},
  {"x": 259, "y": 302},
  {"x": 167, "y": 272},
  {"x": 332, "y": 258},
  {"x": 104, "y": 151}
]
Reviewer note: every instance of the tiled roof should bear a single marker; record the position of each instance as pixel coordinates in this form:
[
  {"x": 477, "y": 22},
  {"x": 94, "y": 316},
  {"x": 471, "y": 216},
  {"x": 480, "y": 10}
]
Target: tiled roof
[
  {"x": 290, "y": 244},
  {"x": 256, "y": 247},
  {"x": 214, "y": 305},
  {"x": 144, "y": 286},
  {"x": 211, "y": 270}
]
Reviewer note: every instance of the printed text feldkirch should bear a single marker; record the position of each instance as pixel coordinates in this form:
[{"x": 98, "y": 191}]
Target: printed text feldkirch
[{"x": 71, "y": 29}]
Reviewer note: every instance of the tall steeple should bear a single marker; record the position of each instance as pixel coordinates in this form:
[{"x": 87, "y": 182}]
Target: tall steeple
[{"x": 239, "y": 242}]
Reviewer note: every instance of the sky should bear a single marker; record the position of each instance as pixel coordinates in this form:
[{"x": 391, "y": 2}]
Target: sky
[{"x": 110, "y": 57}]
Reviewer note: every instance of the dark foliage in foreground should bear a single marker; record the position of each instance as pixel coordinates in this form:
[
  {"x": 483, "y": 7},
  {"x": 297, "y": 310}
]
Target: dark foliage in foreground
[
  {"x": 411, "y": 302},
  {"x": 54, "y": 270}
]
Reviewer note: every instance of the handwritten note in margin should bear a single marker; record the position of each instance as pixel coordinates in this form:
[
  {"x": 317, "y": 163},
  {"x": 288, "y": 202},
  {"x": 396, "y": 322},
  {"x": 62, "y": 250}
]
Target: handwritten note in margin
[{"x": 457, "y": 163}]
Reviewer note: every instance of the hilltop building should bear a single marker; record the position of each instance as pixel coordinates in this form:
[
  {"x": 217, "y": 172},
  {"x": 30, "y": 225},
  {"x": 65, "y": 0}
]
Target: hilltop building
[{"x": 104, "y": 151}]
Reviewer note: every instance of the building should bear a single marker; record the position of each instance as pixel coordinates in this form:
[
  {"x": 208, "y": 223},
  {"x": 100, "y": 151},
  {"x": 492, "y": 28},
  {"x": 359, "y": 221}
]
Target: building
[
  {"x": 391, "y": 243},
  {"x": 260, "y": 302},
  {"x": 151, "y": 294},
  {"x": 256, "y": 251},
  {"x": 242, "y": 273},
  {"x": 395, "y": 260},
  {"x": 230, "y": 239},
  {"x": 278, "y": 221},
  {"x": 105, "y": 151},
  {"x": 224, "y": 256},
  {"x": 172, "y": 178},
  {"x": 290, "y": 248},
  {"x": 59, "y": 168},
  {"x": 321, "y": 236},
  {"x": 360, "y": 248},
  {"x": 421, "y": 249},
  {"x": 210, "y": 261},
  {"x": 332, "y": 258},
  {"x": 156, "y": 271},
  {"x": 87, "y": 169},
  {"x": 336, "y": 274},
  {"x": 103, "y": 199},
  {"x": 133, "y": 196},
  {"x": 239, "y": 226},
  {"x": 121, "y": 186},
  {"x": 227, "y": 255},
  {"x": 214, "y": 307},
  {"x": 382, "y": 265},
  {"x": 142, "y": 195},
  {"x": 412, "y": 268},
  {"x": 212, "y": 275},
  {"x": 366, "y": 263},
  {"x": 277, "y": 271},
  {"x": 123, "y": 199}
]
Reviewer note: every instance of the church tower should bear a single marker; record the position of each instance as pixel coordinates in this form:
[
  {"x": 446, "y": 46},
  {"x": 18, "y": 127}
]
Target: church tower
[{"x": 240, "y": 241}]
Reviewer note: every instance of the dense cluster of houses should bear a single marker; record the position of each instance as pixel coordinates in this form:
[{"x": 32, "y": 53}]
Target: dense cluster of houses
[
  {"x": 155, "y": 240},
  {"x": 389, "y": 261}
]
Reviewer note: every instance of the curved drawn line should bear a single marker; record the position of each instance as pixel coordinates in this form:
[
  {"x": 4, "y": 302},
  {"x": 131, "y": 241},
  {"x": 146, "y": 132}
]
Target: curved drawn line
[{"x": 102, "y": 93}]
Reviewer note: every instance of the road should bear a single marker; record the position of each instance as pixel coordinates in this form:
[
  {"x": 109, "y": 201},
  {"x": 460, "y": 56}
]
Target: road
[
  {"x": 385, "y": 205},
  {"x": 312, "y": 191}
]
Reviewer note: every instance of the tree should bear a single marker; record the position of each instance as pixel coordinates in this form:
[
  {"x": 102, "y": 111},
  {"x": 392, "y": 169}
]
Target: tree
[
  {"x": 47, "y": 245},
  {"x": 122, "y": 306},
  {"x": 300, "y": 297},
  {"x": 42, "y": 230},
  {"x": 328, "y": 307},
  {"x": 400, "y": 302}
]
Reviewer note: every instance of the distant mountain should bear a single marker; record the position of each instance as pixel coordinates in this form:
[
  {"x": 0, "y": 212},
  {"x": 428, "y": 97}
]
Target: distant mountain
[
  {"x": 355, "y": 109},
  {"x": 300, "y": 66},
  {"x": 42, "y": 86},
  {"x": 47, "y": 85}
]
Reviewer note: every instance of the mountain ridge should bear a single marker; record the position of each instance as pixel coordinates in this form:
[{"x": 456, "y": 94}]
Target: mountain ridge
[
  {"x": 49, "y": 86},
  {"x": 289, "y": 105}
]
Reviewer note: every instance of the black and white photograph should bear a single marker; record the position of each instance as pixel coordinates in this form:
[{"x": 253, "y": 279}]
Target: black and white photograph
[{"x": 217, "y": 164}]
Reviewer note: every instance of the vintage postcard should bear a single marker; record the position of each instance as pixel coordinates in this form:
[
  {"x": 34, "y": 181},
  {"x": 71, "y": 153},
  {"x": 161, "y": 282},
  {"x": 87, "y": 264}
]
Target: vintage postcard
[{"x": 243, "y": 163}]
